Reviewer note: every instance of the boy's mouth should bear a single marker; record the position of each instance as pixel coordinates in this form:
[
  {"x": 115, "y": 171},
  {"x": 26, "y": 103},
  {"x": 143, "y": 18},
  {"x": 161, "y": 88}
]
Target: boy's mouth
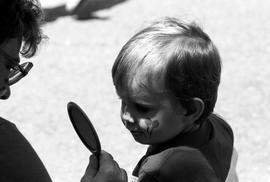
[{"x": 135, "y": 131}]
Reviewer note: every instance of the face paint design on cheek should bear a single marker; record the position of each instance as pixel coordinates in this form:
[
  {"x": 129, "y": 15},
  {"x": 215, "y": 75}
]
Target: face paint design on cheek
[{"x": 151, "y": 125}]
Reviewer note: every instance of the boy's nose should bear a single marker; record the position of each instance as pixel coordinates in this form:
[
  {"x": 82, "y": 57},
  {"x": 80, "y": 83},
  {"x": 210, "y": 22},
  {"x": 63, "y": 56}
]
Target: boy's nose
[{"x": 126, "y": 116}]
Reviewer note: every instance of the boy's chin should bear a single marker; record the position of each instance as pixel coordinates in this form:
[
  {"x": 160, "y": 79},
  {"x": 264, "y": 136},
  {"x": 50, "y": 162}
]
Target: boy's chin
[{"x": 144, "y": 140}]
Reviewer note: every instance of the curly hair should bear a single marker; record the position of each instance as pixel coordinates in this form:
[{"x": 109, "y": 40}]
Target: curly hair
[{"x": 21, "y": 19}]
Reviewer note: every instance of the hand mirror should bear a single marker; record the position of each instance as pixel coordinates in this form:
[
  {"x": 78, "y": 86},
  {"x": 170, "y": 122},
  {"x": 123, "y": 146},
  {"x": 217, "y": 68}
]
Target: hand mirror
[{"x": 84, "y": 128}]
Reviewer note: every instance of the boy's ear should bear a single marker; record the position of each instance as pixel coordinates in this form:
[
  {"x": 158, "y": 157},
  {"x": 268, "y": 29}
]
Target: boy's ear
[{"x": 197, "y": 109}]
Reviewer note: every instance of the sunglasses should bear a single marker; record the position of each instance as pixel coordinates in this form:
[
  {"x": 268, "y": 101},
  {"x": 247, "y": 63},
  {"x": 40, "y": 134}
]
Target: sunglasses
[{"x": 17, "y": 71}]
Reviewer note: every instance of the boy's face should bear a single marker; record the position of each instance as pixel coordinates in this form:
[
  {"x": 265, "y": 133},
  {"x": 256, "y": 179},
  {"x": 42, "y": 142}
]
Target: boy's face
[{"x": 151, "y": 118}]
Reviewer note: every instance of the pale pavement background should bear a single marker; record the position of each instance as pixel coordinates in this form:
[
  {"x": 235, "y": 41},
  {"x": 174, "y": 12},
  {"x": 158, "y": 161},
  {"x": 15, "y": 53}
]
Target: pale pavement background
[{"x": 75, "y": 64}]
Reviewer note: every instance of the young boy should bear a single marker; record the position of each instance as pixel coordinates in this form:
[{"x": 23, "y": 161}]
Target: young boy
[{"x": 167, "y": 77}]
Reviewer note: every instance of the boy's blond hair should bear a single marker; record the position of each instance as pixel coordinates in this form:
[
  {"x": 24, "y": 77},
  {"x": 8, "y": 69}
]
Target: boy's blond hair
[{"x": 180, "y": 55}]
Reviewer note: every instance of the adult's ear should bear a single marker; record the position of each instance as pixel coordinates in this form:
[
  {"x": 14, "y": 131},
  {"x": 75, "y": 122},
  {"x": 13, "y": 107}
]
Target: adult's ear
[{"x": 197, "y": 109}]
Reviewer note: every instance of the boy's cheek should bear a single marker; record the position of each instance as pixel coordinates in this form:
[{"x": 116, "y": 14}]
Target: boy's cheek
[
  {"x": 144, "y": 124},
  {"x": 148, "y": 125}
]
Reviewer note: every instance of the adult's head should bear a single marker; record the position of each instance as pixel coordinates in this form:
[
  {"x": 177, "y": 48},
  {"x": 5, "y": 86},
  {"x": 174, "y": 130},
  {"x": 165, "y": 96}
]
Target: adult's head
[{"x": 20, "y": 33}]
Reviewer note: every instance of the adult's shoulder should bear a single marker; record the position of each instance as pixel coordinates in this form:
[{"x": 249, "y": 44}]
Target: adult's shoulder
[
  {"x": 6, "y": 123},
  {"x": 178, "y": 164},
  {"x": 18, "y": 159},
  {"x": 9, "y": 134}
]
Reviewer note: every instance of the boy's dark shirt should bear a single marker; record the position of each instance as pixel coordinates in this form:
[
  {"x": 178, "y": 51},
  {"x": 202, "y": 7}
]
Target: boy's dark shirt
[
  {"x": 18, "y": 160},
  {"x": 202, "y": 155}
]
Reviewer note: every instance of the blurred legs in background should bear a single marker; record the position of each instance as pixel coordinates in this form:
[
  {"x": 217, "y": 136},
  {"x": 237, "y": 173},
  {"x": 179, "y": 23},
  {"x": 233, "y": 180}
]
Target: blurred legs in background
[
  {"x": 73, "y": 5},
  {"x": 80, "y": 9}
]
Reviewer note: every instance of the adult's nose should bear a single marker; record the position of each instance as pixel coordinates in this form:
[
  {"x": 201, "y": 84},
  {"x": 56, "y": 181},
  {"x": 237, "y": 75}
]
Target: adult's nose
[{"x": 4, "y": 93}]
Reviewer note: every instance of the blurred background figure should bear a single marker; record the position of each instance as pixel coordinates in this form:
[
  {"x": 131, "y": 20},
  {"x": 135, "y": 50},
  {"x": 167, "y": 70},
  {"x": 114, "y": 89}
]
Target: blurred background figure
[{"x": 80, "y": 9}]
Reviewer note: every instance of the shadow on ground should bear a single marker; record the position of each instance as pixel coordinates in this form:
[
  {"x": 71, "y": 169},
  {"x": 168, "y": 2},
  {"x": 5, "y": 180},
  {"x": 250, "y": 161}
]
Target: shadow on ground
[{"x": 83, "y": 11}]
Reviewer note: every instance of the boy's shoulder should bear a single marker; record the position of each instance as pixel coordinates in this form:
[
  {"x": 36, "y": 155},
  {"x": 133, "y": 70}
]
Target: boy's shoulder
[
  {"x": 177, "y": 163},
  {"x": 172, "y": 157},
  {"x": 221, "y": 128}
]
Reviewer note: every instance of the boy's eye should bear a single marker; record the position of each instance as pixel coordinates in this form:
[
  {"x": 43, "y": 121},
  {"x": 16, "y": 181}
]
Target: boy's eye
[{"x": 142, "y": 108}]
